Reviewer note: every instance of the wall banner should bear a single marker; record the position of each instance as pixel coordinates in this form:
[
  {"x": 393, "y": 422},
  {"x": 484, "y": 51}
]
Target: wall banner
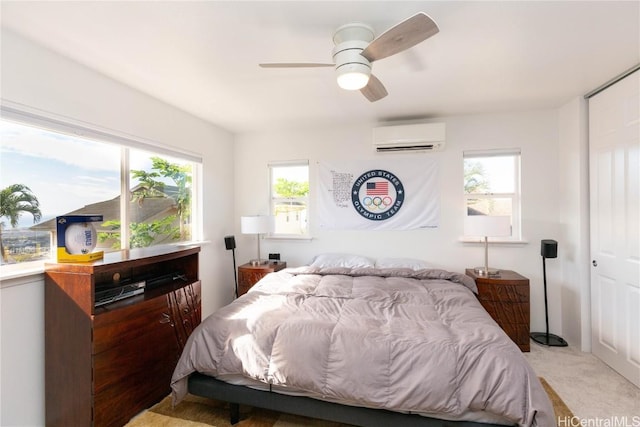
[{"x": 389, "y": 194}]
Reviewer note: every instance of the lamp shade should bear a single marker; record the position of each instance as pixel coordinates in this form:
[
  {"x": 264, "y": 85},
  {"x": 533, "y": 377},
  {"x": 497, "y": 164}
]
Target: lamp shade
[
  {"x": 487, "y": 225},
  {"x": 258, "y": 224}
]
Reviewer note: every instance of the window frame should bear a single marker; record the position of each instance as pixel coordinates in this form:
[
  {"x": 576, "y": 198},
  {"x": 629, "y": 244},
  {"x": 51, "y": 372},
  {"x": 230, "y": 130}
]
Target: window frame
[
  {"x": 273, "y": 200},
  {"x": 515, "y": 196},
  {"x": 31, "y": 117}
]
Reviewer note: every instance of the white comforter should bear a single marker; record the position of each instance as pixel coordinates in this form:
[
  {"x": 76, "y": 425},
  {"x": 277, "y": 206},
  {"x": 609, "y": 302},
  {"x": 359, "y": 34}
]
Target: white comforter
[{"x": 396, "y": 339}]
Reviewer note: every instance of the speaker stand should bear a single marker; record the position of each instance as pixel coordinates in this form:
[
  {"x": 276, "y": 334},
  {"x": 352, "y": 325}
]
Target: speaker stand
[
  {"x": 548, "y": 339},
  {"x": 545, "y": 338},
  {"x": 235, "y": 271}
]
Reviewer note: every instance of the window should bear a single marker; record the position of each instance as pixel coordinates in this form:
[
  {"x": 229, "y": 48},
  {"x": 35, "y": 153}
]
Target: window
[
  {"x": 161, "y": 193},
  {"x": 46, "y": 172},
  {"x": 289, "y": 183},
  {"x": 492, "y": 185}
]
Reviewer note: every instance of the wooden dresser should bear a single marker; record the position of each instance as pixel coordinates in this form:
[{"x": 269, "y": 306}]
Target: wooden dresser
[
  {"x": 506, "y": 299},
  {"x": 105, "y": 364},
  {"x": 248, "y": 275}
]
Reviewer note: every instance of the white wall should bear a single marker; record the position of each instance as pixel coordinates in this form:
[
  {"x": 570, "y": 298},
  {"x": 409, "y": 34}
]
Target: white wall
[
  {"x": 573, "y": 247},
  {"x": 39, "y": 79},
  {"x": 22, "y": 352},
  {"x": 536, "y": 133}
]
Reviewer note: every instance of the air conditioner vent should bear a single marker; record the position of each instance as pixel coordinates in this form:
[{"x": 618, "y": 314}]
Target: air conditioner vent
[
  {"x": 416, "y": 137},
  {"x": 418, "y": 147}
]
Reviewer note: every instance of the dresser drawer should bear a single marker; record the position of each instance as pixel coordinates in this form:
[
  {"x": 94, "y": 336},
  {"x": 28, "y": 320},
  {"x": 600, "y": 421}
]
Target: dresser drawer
[
  {"x": 129, "y": 323},
  {"x": 135, "y": 351},
  {"x": 133, "y": 376},
  {"x": 136, "y": 362}
]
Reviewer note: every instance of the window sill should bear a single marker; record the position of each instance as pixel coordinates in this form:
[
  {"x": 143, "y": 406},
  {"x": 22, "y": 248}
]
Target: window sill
[
  {"x": 496, "y": 241},
  {"x": 289, "y": 237},
  {"x": 194, "y": 243},
  {"x": 14, "y": 272},
  {"x": 11, "y": 274}
]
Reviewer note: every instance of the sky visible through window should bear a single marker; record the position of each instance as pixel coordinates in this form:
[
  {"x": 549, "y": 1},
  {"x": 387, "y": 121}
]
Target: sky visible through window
[
  {"x": 64, "y": 172},
  {"x": 498, "y": 171}
]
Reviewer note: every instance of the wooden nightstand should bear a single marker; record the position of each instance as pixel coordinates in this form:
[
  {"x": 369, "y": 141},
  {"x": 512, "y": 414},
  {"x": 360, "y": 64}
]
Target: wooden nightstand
[
  {"x": 506, "y": 299},
  {"x": 248, "y": 275}
]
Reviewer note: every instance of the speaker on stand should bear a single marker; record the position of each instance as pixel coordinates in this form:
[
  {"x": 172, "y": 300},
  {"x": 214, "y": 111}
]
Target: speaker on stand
[
  {"x": 230, "y": 244},
  {"x": 548, "y": 249}
]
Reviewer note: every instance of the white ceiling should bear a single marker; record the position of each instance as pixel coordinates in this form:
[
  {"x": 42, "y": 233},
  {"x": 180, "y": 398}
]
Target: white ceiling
[{"x": 202, "y": 56}]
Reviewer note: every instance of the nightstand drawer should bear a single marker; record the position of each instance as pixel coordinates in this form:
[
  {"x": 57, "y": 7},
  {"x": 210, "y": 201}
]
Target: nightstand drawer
[
  {"x": 249, "y": 275},
  {"x": 248, "y": 278},
  {"x": 508, "y": 314},
  {"x": 506, "y": 293}
]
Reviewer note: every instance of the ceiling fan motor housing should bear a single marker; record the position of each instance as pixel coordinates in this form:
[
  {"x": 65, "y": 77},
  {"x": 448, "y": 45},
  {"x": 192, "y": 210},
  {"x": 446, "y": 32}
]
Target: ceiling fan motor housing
[
  {"x": 350, "y": 40},
  {"x": 353, "y": 31},
  {"x": 349, "y": 52}
]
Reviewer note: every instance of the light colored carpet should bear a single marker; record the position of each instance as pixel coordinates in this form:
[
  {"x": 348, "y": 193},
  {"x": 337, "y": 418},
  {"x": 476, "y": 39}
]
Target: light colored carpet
[
  {"x": 594, "y": 392},
  {"x": 195, "y": 411}
]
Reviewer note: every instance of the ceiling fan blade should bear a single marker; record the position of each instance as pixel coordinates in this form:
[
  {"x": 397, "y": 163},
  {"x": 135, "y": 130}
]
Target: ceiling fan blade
[
  {"x": 374, "y": 90},
  {"x": 404, "y": 35},
  {"x": 295, "y": 65}
]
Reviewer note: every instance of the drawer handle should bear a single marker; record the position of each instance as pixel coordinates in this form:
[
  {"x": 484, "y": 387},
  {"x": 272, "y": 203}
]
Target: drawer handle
[{"x": 165, "y": 318}]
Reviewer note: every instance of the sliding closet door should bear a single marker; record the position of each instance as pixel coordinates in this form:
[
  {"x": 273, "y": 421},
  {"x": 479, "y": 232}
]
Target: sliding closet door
[{"x": 614, "y": 149}]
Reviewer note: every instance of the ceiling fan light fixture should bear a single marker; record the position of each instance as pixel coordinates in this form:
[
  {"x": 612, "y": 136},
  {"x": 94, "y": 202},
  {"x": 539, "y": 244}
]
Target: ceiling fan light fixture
[
  {"x": 356, "y": 48},
  {"x": 353, "y": 76}
]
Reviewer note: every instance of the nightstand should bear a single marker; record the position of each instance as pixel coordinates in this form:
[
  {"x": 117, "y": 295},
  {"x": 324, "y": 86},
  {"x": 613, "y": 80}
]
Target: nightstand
[
  {"x": 506, "y": 299},
  {"x": 248, "y": 275}
]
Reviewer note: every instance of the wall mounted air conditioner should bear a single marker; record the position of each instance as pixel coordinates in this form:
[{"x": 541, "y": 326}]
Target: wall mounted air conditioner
[{"x": 415, "y": 137}]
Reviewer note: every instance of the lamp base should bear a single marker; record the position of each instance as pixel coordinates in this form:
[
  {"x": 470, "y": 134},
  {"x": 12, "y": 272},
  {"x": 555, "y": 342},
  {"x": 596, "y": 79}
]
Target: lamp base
[
  {"x": 483, "y": 271},
  {"x": 257, "y": 262},
  {"x": 550, "y": 340}
]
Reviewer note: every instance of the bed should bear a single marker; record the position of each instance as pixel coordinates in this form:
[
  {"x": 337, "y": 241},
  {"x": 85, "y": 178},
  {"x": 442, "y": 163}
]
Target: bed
[{"x": 364, "y": 343}]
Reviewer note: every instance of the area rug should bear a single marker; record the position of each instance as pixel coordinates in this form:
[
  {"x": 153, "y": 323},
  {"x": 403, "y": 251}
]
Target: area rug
[
  {"x": 561, "y": 410},
  {"x": 196, "y": 411}
]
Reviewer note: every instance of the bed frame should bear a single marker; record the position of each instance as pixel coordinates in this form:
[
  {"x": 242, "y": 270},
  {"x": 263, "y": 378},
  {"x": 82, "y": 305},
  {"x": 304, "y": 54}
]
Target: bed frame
[{"x": 236, "y": 395}]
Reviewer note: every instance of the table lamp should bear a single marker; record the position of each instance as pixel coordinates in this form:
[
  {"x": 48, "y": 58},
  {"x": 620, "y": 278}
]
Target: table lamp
[
  {"x": 487, "y": 226},
  {"x": 258, "y": 224}
]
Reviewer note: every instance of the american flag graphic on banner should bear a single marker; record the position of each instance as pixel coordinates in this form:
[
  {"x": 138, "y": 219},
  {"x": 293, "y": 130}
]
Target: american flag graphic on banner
[{"x": 379, "y": 188}]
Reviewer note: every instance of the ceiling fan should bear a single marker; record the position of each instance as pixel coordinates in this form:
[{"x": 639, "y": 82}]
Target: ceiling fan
[{"x": 356, "y": 48}]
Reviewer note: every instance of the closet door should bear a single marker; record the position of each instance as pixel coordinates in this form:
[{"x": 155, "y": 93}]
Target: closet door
[{"x": 614, "y": 150}]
